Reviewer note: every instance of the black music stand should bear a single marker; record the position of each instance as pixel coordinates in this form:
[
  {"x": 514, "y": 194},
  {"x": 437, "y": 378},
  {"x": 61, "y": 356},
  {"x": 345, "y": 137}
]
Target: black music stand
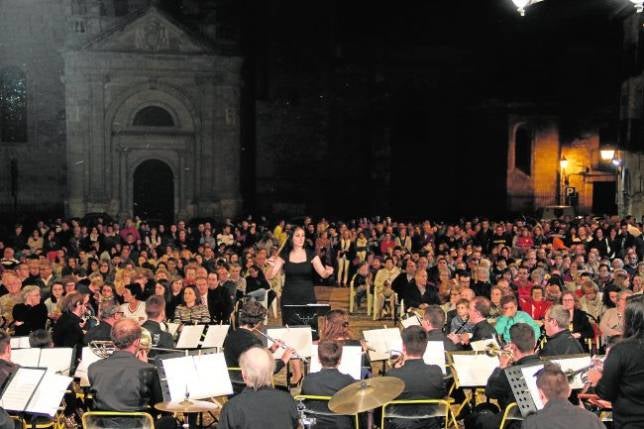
[
  {"x": 305, "y": 314},
  {"x": 522, "y": 395}
]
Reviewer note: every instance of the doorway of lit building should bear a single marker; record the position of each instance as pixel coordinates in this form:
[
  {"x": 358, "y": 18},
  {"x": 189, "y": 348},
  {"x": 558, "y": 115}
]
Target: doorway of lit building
[
  {"x": 604, "y": 198},
  {"x": 153, "y": 192}
]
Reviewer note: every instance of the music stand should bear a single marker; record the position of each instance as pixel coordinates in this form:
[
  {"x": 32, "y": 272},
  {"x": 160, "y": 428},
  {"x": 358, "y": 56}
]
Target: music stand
[
  {"x": 521, "y": 387},
  {"x": 305, "y": 314}
]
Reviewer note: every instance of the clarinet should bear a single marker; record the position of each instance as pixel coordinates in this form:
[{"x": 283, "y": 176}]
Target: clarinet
[{"x": 462, "y": 325}]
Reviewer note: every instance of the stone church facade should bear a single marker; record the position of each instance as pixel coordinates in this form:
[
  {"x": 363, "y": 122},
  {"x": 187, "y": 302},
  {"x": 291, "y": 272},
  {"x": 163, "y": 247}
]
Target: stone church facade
[{"x": 124, "y": 104}]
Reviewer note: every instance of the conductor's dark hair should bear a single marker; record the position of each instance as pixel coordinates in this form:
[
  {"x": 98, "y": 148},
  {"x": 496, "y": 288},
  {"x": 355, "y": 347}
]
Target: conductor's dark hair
[{"x": 415, "y": 340}]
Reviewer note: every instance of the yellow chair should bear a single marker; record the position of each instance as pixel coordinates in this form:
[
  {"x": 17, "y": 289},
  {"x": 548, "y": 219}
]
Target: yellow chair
[
  {"x": 441, "y": 408},
  {"x": 313, "y": 413},
  {"x": 511, "y": 413},
  {"x": 352, "y": 297},
  {"x": 97, "y": 420}
]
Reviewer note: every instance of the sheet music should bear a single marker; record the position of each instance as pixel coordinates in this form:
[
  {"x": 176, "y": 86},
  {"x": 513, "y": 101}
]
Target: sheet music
[
  {"x": 300, "y": 338},
  {"x": 201, "y": 376},
  {"x": 87, "y": 358},
  {"x": 531, "y": 381},
  {"x": 215, "y": 336},
  {"x": 26, "y": 357},
  {"x": 173, "y": 328},
  {"x": 351, "y": 362},
  {"x": 20, "y": 388},
  {"x": 435, "y": 355},
  {"x": 49, "y": 394},
  {"x": 410, "y": 321},
  {"x": 481, "y": 345},
  {"x": 473, "y": 370},
  {"x": 190, "y": 336},
  {"x": 57, "y": 359},
  {"x": 383, "y": 342},
  {"x": 20, "y": 343},
  {"x": 572, "y": 364}
]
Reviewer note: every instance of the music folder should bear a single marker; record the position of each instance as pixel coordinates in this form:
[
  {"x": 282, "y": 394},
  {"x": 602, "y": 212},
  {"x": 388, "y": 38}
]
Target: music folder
[
  {"x": 472, "y": 369},
  {"x": 35, "y": 391},
  {"x": 20, "y": 343},
  {"x": 298, "y": 337},
  {"x": 193, "y": 376},
  {"x": 350, "y": 362},
  {"x": 190, "y": 336},
  {"x": 383, "y": 343}
]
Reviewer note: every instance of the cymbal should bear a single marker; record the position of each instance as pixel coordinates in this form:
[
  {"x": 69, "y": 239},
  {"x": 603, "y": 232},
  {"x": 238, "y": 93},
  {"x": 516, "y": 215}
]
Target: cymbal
[
  {"x": 186, "y": 406},
  {"x": 365, "y": 395}
]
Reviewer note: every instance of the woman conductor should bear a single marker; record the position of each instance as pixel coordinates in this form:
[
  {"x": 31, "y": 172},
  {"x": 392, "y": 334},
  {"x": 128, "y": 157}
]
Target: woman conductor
[{"x": 298, "y": 264}]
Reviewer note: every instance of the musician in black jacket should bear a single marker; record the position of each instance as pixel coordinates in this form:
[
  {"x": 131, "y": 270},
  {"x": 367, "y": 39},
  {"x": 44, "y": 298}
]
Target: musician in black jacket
[
  {"x": 422, "y": 381},
  {"x": 155, "y": 310},
  {"x": 433, "y": 322},
  {"x": 327, "y": 382},
  {"x": 520, "y": 351},
  {"x": 68, "y": 331},
  {"x": 560, "y": 340},
  {"x": 110, "y": 314},
  {"x": 482, "y": 330}
]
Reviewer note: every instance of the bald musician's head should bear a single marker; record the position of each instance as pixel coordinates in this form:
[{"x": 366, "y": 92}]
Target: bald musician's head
[
  {"x": 257, "y": 367},
  {"x": 126, "y": 333}
]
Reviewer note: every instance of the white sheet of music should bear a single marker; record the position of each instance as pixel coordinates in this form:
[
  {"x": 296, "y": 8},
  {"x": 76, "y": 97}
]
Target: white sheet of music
[
  {"x": 572, "y": 364},
  {"x": 49, "y": 394},
  {"x": 473, "y": 370},
  {"x": 17, "y": 393},
  {"x": 435, "y": 355},
  {"x": 299, "y": 338},
  {"x": 410, "y": 321},
  {"x": 87, "y": 358},
  {"x": 351, "y": 362},
  {"x": 201, "y": 376},
  {"x": 481, "y": 345},
  {"x": 215, "y": 336},
  {"x": 26, "y": 357},
  {"x": 190, "y": 336},
  {"x": 57, "y": 359},
  {"x": 20, "y": 343},
  {"x": 173, "y": 328},
  {"x": 531, "y": 381},
  {"x": 383, "y": 342}
]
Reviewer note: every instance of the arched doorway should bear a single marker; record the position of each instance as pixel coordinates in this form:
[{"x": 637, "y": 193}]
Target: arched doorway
[{"x": 153, "y": 191}]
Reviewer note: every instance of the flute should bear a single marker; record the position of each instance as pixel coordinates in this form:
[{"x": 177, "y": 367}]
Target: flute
[{"x": 281, "y": 344}]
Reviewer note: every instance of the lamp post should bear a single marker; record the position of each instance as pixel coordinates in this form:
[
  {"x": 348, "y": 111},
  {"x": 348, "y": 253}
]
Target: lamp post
[
  {"x": 563, "y": 164},
  {"x": 522, "y": 4}
]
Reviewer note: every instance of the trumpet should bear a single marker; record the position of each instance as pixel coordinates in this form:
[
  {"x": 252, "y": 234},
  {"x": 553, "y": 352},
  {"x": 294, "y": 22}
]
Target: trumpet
[
  {"x": 281, "y": 344},
  {"x": 493, "y": 349}
]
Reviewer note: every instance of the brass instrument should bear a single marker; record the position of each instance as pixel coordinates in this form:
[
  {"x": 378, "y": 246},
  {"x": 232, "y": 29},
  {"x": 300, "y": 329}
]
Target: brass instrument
[
  {"x": 105, "y": 349},
  {"x": 493, "y": 349},
  {"x": 583, "y": 372}
]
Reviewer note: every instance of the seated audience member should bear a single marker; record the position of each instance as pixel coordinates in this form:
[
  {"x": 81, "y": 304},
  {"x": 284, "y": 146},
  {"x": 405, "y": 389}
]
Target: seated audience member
[
  {"x": 40, "y": 339},
  {"x": 133, "y": 308},
  {"x": 520, "y": 352},
  {"x": 581, "y": 327},
  {"x": 422, "y": 381},
  {"x": 259, "y": 405},
  {"x": 612, "y": 322},
  {"x": 433, "y": 322},
  {"x": 155, "y": 312},
  {"x": 558, "y": 412},
  {"x": 256, "y": 284},
  {"x": 591, "y": 301},
  {"x": 68, "y": 331},
  {"x": 511, "y": 316},
  {"x": 30, "y": 314},
  {"x": 192, "y": 310},
  {"x": 536, "y": 305},
  {"x": 327, "y": 382},
  {"x": 11, "y": 281},
  {"x": 109, "y": 315},
  {"x": 125, "y": 381},
  {"x": 419, "y": 293},
  {"x": 560, "y": 339}
]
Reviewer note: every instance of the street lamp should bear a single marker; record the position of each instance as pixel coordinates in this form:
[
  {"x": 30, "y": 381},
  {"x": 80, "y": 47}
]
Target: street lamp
[
  {"x": 563, "y": 181},
  {"x": 563, "y": 163},
  {"x": 607, "y": 153},
  {"x": 639, "y": 5},
  {"x": 522, "y": 4}
]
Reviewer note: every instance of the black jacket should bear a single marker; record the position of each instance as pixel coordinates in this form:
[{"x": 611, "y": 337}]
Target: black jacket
[
  {"x": 413, "y": 298},
  {"x": 159, "y": 338},
  {"x": 562, "y": 343},
  {"x": 422, "y": 381},
  {"x": 100, "y": 332},
  {"x": 259, "y": 409},
  {"x": 558, "y": 414},
  {"x": 622, "y": 383},
  {"x": 581, "y": 325},
  {"x": 498, "y": 386},
  {"x": 68, "y": 332},
  {"x": 220, "y": 304},
  {"x": 437, "y": 335},
  {"x": 483, "y": 331},
  {"x": 327, "y": 382}
]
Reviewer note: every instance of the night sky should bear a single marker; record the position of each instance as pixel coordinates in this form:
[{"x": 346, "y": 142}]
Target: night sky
[{"x": 441, "y": 75}]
